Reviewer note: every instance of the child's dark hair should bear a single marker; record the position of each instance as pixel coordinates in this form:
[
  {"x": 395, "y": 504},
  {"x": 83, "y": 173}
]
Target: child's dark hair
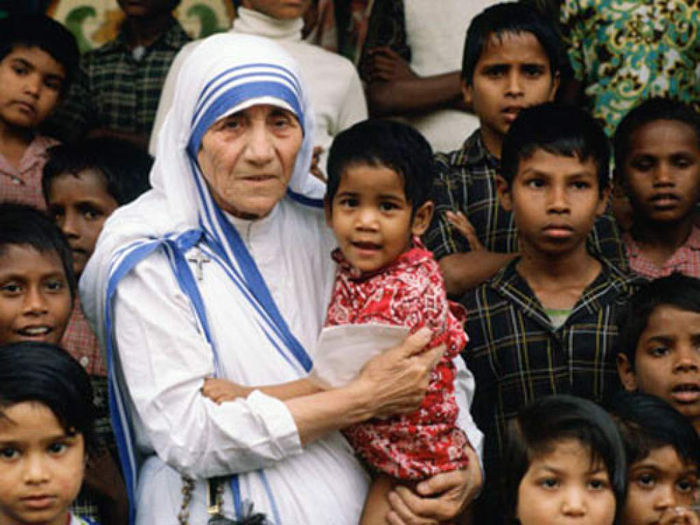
[
  {"x": 560, "y": 130},
  {"x": 677, "y": 290},
  {"x": 511, "y": 17},
  {"x": 124, "y": 167},
  {"x": 24, "y": 225},
  {"x": 389, "y": 144},
  {"x": 38, "y": 30},
  {"x": 648, "y": 423},
  {"x": 46, "y": 374},
  {"x": 548, "y": 421},
  {"x": 650, "y": 110}
]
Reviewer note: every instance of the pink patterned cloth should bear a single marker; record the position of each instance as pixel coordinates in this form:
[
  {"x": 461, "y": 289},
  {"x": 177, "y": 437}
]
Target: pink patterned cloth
[
  {"x": 81, "y": 342},
  {"x": 686, "y": 260},
  {"x": 23, "y": 183},
  {"x": 409, "y": 292}
]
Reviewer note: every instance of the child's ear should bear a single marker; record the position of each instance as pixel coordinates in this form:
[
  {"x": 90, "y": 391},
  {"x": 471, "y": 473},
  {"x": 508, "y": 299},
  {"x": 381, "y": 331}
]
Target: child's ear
[
  {"x": 503, "y": 192},
  {"x": 466, "y": 92},
  {"x": 556, "y": 81},
  {"x": 603, "y": 201},
  {"x": 625, "y": 370},
  {"x": 422, "y": 218},
  {"x": 327, "y": 209}
]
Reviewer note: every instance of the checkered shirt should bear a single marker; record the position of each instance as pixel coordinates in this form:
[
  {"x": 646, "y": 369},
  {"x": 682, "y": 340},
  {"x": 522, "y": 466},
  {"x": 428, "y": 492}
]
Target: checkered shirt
[
  {"x": 112, "y": 89},
  {"x": 517, "y": 355},
  {"x": 466, "y": 182},
  {"x": 685, "y": 260},
  {"x": 23, "y": 183},
  {"x": 81, "y": 342}
]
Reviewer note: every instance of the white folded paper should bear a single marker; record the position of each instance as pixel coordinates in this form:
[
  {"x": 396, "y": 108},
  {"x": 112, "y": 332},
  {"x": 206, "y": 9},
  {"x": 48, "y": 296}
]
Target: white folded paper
[{"x": 343, "y": 350}]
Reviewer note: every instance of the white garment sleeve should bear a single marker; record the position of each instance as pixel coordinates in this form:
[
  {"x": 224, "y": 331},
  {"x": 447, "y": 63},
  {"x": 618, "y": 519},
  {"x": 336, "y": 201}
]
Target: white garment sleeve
[
  {"x": 353, "y": 107},
  {"x": 464, "y": 391},
  {"x": 164, "y": 359}
]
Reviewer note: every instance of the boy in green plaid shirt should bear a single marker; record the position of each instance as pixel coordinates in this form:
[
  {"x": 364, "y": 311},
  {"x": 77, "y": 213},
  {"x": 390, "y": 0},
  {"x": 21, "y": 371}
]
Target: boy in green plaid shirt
[{"x": 546, "y": 322}]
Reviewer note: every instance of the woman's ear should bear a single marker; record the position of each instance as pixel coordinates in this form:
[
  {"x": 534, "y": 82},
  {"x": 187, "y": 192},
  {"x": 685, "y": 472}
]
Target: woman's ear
[{"x": 422, "y": 217}]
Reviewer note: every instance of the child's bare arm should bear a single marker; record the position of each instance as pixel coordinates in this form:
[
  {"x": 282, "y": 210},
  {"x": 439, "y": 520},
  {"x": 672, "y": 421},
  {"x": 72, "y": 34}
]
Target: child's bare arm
[{"x": 220, "y": 390}]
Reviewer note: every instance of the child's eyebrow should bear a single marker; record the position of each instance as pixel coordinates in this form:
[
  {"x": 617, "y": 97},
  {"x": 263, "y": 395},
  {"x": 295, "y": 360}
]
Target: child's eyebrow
[{"x": 23, "y": 62}]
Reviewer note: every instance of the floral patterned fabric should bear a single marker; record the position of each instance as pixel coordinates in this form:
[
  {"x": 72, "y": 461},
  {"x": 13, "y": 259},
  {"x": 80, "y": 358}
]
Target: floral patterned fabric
[
  {"x": 624, "y": 51},
  {"x": 410, "y": 292}
]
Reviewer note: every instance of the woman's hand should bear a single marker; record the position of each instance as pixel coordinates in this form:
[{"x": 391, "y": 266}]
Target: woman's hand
[
  {"x": 440, "y": 498},
  {"x": 398, "y": 379},
  {"x": 220, "y": 390}
]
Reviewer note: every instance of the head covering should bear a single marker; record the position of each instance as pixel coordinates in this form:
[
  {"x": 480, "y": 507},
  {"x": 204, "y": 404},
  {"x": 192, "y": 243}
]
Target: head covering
[{"x": 226, "y": 73}]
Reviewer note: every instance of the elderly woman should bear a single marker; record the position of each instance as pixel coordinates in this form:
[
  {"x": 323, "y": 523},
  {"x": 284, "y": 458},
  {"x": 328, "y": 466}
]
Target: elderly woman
[{"x": 223, "y": 270}]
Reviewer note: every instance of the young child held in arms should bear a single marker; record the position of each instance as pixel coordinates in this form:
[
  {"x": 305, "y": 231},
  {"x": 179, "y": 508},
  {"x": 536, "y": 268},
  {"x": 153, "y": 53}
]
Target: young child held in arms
[
  {"x": 663, "y": 456},
  {"x": 512, "y": 60},
  {"x": 46, "y": 433},
  {"x": 566, "y": 464},
  {"x": 657, "y": 162},
  {"x": 38, "y": 57},
  {"x": 545, "y": 323},
  {"x": 659, "y": 342},
  {"x": 377, "y": 203}
]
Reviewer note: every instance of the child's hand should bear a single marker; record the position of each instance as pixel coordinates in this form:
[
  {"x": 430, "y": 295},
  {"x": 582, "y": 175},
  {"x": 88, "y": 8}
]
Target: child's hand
[
  {"x": 679, "y": 516},
  {"x": 220, "y": 390},
  {"x": 465, "y": 228}
]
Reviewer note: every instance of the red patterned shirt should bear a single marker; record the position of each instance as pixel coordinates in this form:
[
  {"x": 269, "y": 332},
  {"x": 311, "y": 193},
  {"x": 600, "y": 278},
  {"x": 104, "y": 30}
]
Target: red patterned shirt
[
  {"x": 23, "y": 183},
  {"x": 409, "y": 292},
  {"x": 81, "y": 342},
  {"x": 685, "y": 260}
]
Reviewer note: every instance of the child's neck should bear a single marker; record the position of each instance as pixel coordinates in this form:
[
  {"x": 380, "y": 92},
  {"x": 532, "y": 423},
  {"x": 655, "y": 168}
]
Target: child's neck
[
  {"x": 558, "y": 281},
  {"x": 143, "y": 31},
  {"x": 493, "y": 142},
  {"x": 658, "y": 242},
  {"x": 14, "y": 142}
]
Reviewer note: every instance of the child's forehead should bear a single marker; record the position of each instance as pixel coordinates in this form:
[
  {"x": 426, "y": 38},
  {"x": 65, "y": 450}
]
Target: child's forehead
[
  {"x": 650, "y": 133},
  {"x": 31, "y": 419},
  {"x": 91, "y": 176},
  {"x": 22, "y": 256},
  {"x": 553, "y": 163},
  {"x": 671, "y": 319},
  {"x": 371, "y": 175},
  {"x": 504, "y": 45},
  {"x": 37, "y": 58}
]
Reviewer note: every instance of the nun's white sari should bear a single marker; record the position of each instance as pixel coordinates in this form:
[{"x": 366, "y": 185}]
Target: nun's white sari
[{"x": 171, "y": 321}]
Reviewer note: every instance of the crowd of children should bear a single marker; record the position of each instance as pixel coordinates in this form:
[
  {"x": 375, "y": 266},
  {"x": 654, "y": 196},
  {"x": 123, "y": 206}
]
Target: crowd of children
[{"x": 581, "y": 329}]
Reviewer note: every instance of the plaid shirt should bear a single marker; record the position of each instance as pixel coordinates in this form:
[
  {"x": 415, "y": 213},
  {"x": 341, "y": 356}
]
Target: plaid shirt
[
  {"x": 81, "y": 342},
  {"x": 112, "y": 89},
  {"x": 685, "y": 260},
  {"x": 23, "y": 183},
  {"x": 517, "y": 355},
  {"x": 466, "y": 182}
]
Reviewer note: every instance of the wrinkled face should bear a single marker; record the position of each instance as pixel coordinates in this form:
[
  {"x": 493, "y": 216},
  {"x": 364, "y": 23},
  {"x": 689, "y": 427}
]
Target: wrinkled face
[
  {"x": 371, "y": 217},
  {"x": 282, "y": 9},
  {"x": 35, "y": 300},
  {"x": 31, "y": 83},
  {"x": 41, "y": 467},
  {"x": 667, "y": 360},
  {"x": 657, "y": 484},
  {"x": 248, "y": 159},
  {"x": 555, "y": 201},
  {"x": 564, "y": 486},
  {"x": 662, "y": 172},
  {"x": 80, "y": 205},
  {"x": 512, "y": 72}
]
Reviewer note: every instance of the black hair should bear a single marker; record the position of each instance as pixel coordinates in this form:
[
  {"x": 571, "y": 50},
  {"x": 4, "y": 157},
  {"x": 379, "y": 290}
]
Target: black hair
[
  {"x": 24, "y": 225},
  {"x": 546, "y": 422},
  {"x": 560, "y": 130},
  {"x": 511, "y": 17},
  {"x": 47, "y": 374},
  {"x": 384, "y": 143},
  {"x": 677, "y": 290},
  {"x": 650, "y": 110},
  {"x": 124, "y": 167},
  {"x": 38, "y": 30},
  {"x": 648, "y": 423}
]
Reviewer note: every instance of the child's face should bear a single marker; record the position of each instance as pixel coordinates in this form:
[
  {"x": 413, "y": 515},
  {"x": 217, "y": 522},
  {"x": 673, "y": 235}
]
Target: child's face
[
  {"x": 31, "y": 82},
  {"x": 658, "y": 483},
  {"x": 512, "y": 72},
  {"x": 80, "y": 205},
  {"x": 144, "y": 8},
  {"x": 662, "y": 171},
  {"x": 565, "y": 486},
  {"x": 35, "y": 300},
  {"x": 41, "y": 467},
  {"x": 667, "y": 360},
  {"x": 280, "y": 9},
  {"x": 371, "y": 217},
  {"x": 555, "y": 201}
]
